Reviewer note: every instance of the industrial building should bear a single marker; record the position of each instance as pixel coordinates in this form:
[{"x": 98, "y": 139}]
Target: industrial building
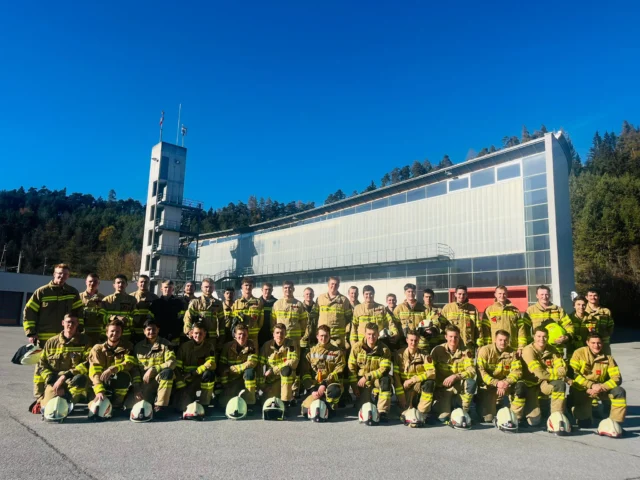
[{"x": 502, "y": 218}]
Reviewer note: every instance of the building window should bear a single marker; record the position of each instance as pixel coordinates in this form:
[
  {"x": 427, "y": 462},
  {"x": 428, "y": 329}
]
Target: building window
[
  {"x": 149, "y": 237},
  {"x": 380, "y": 204},
  {"x": 152, "y": 213},
  {"x": 458, "y": 184},
  {"x": 508, "y": 171},
  {"x": 482, "y": 178},
  {"x": 437, "y": 281},
  {"x": 535, "y": 164},
  {"x": 461, "y": 266},
  {"x": 363, "y": 208},
  {"x": 512, "y": 277},
  {"x": 538, "y": 227},
  {"x": 511, "y": 262},
  {"x": 438, "y": 267},
  {"x": 537, "y": 212},
  {"x": 164, "y": 168},
  {"x": 154, "y": 188},
  {"x": 536, "y": 182},
  {"x": 484, "y": 264},
  {"x": 536, "y": 197},
  {"x": 147, "y": 261},
  {"x": 461, "y": 279},
  {"x": 538, "y": 259},
  {"x": 418, "y": 194},
  {"x": 539, "y": 276},
  {"x": 436, "y": 189},
  {"x": 398, "y": 199},
  {"x": 485, "y": 279},
  {"x": 541, "y": 242}
]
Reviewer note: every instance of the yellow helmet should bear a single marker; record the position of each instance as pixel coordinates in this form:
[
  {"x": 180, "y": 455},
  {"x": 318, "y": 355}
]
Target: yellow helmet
[{"x": 236, "y": 407}]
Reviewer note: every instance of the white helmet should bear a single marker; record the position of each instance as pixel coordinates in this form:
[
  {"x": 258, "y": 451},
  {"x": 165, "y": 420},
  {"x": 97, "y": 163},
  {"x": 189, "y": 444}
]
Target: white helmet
[
  {"x": 384, "y": 333},
  {"x": 609, "y": 428},
  {"x": 56, "y": 410},
  {"x": 558, "y": 423},
  {"x": 413, "y": 417},
  {"x": 318, "y": 411},
  {"x": 506, "y": 420},
  {"x": 194, "y": 411},
  {"x": 99, "y": 409},
  {"x": 236, "y": 407},
  {"x": 141, "y": 412},
  {"x": 460, "y": 419},
  {"x": 32, "y": 355},
  {"x": 369, "y": 414},
  {"x": 273, "y": 409}
]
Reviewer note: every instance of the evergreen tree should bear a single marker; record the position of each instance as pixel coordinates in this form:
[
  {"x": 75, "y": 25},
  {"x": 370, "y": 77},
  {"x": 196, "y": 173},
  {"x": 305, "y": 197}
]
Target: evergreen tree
[{"x": 417, "y": 169}]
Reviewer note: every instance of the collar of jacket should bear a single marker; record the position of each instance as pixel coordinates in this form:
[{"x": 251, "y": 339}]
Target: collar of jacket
[
  {"x": 66, "y": 340},
  {"x": 552, "y": 307},
  {"x": 117, "y": 349},
  {"x": 64, "y": 286},
  {"x": 377, "y": 348}
]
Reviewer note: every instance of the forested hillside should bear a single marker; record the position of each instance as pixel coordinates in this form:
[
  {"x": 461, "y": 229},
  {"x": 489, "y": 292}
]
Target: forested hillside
[{"x": 106, "y": 235}]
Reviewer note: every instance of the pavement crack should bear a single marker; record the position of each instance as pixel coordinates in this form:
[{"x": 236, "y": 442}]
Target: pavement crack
[{"x": 74, "y": 466}]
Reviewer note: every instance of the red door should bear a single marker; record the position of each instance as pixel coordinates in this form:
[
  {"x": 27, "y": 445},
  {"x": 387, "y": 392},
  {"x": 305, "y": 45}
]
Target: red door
[{"x": 483, "y": 297}]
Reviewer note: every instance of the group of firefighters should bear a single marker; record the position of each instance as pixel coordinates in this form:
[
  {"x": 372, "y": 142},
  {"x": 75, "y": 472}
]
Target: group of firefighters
[{"x": 173, "y": 351}]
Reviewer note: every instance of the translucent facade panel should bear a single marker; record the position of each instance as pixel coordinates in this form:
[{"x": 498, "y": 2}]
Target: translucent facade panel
[
  {"x": 512, "y": 277},
  {"x": 541, "y": 242},
  {"x": 536, "y": 182},
  {"x": 363, "y": 208},
  {"x": 535, "y": 197},
  {"x": 417, "y": 194},
  {"x": 398, "y": 199},
  {"x": 458, "y": 184},
  {"x": 485, "y": 264},
  {"x": 436, "y": 189},
  {"x": 536, "y": 212},
  {"x": 511, "y": 262},
  {"x": 539, "y": 276},
  {"x": 483, "y": 178},
  {"x": 537, "y": 227},
  {"x": 485, "y": 279},
  {"x": 534, "y": 164},
  {"x": 384, "y": 202},
  {"x": 508, "y": 171},
  {"x": 539, "y": 259}
]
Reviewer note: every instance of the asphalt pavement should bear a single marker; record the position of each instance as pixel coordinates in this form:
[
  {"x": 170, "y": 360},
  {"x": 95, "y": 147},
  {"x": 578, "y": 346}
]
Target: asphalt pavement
[{"x": 298, "y": 448}]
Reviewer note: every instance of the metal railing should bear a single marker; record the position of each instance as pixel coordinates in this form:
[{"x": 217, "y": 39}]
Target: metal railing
[
  {"x": 229, "y": 273},
  {"x": 179, "y": 201},
  {"x": 174, "y": 251},
  {"x": 175, "y": 226}
]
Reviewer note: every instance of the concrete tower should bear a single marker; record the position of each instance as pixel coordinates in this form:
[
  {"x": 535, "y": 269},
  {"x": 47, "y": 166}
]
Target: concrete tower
[{"x": 170, "y": 247}]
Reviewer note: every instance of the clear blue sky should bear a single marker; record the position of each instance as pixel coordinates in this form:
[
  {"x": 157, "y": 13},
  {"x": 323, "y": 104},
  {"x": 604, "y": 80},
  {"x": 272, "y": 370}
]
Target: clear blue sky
[{"x": 294, "y": 100}]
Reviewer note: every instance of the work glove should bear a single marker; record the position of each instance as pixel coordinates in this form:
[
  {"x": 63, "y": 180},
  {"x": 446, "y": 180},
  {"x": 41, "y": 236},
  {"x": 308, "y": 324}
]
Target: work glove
[{"x": 165, "y": 374}]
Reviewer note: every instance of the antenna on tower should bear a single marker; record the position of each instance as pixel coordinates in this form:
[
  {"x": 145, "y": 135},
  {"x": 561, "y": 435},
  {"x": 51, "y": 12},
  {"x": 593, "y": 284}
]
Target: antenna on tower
[
  {"x": 178, "y": 127},
  {"x": 184, "y": 134},
  {"x": 161, "y": 122}
]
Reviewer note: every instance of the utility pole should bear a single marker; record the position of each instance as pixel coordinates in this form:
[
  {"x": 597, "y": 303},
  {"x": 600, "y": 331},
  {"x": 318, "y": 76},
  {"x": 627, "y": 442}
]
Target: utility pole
[
  {"x": 19, "y": 261},
  {"x": 44, "y": 267}
]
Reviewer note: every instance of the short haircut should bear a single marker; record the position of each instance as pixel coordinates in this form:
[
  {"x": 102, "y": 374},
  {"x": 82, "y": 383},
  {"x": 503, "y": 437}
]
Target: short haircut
[
  {"x": 353, "y": 287},
  {"x": 207, "y": 280},
  {"x": 280, "y": 326},
  {"x": 367, "y": 288},
  {"x": 240, "y": 326},
  {"x": 335, "y": 279},
  {"x": 325, "y": 328},
  {"x": 412, "y": 332},
  {"x": 310, "y": 289},
  {"x": 200, "y": 326},
  {"x": 150, "y": 322},
  {"x": 93, "y": 275},
  {"x": 461, "y": 287},
  {"x": 268, "y": 285},
  {"x": 501, "y": 287},
  {"x": 247, "y": 281},
  {"x": 580, "y": 297},
  {"x": 540, "y": 328},
  {"x": 167, "y": 282},
  {"x": 146, "y": 277},
  {"x": 371, "y": 326},
  {"x": 287, "y": 283},
  {"x": 542, "y": 287},
  {"x": 429, "y": 291},
  {"x": 594, "y": 335},
  {"x": 230, "y": 289},
  {"x": 116, "y": 322},
  {"x": 64, "y": 266},
  {"x": 593, "y": 290},
  {"x": 121, "y": 276},
  {"x": 503, "y": 332},
  {"x": 189, "y": 282},
  {"x": 70, "y": 316},
  {"x": 451, "y": 328},
  {"x": 392, "y": 295},
  {"x": 408, "y": 286}
]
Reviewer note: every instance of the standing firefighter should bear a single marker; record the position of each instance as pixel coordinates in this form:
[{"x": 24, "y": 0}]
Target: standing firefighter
[
  {"x": 504, "y": 315},
  {"x": 602, "y": 317},
  {"x": 168, "y": 312},
  {"x": 206, "y": 310},
  {"x": 64, "y": 363},
  {"x": 268, "y": 301},
  {"x": 414, "y": 376},
  {"x": 410, "y": 313},
  {"x": 465, "y": 316},
  {"x": 291, "y": 313},
  {"x": 369, "y": 371},
  {"x": 552, "y": 317},
  {"x": 44, "y": 312},
  {"x": 335, "y": 312},
  {"x": 280, "y": 358},
  {"x": 225, "y": 321},
  {"x": 543, "y": 372},
  {"x": 121, "y": 304},
  {"x": 250, "y": 310},
  {"x": 92, "y": 309},
  {"x": 371, "y": 312},
  {"x": 195, "y": 369},
  {"x": 322, "y": 371},
  {"x": 153, "y": 375},
  {"x": 455, "y": 374},
  {"x": 110, "y": 364},
  {"x": 144, "y": 299}
]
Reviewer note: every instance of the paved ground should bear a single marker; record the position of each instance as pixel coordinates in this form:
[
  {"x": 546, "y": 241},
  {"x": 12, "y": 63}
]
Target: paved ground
[{"x": 297, "y": 448}]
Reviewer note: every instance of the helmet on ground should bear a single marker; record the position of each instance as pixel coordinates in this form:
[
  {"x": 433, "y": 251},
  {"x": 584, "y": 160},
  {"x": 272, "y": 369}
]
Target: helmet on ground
[
  {"x": 56, "y": 410},
  {"x": 318, "y": 411},
  {"x": 413, "y": 417},
  {"x": 100, "y": 409},
  {"x": 32, "y": 355},
  {"x": 141, "y": 412},
  {"x": 369, "y": 414},
  {"x": 609, "y": 428},
  {"x": 273, "y": 409},
  {"x": 558, "y": 423},
  {"x": 194, "y": 411},
  {"x": 506, "y": 420},
  {"x": 236, "y": 407},
  {"x": 460, "y": 419}
]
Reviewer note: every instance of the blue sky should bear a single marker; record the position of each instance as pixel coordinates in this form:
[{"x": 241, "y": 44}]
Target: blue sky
[{"x": 293, "y": 100}]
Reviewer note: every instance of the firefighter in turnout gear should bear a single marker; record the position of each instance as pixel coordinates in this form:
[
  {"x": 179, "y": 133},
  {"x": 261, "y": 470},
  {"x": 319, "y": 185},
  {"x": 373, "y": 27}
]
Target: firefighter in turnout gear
[
  {"x": 503, "y": 315},
  {"x": 433, "y": 316},
  {"x": 291, "y": 313},
  {"x": 543, "y": 372},
  {"x": 465, "y": 316},
  {"x": 596, "y": 375},
  {"x": 110, "y": 364},
  {"x": 195, "y": 369},
  {"x": 225, "y": 321},
  {"x": 312, "y": 312},
  {"x": 144, "y": 299},
  {"x": 268, "y": 302},
  {"x": 168, "y": 313},
  {"x": 64, "y": 364},
  {"x": 499, "y": 371},
  {"x": 583, "y": 324},
  {"x": 323, "y": 367},
  {"x": 238, "y": 369},
  {"x": 391, "y": 305},
  {"x": 335, "y": 312},
  {"x": 92, "y": 309},
  {"x": 44, "y": 312},
  {"x": 370, "y": 371},
  {"x": 371, "y": 312},
  {"x": 544, "y": 312},
  {"x": 121, "y": 304},
  {"x": 414, "y": 376},
  {"x": 153, "y": 375},
  {"x": 250, "y": 310},
  {"x": 280, "y": 358},
  {"x": 205, "y": 310},
  {"x": 602, "y": 317},
  {"x": 455, "y": 374},
  {"x": 188, "y": 297},
  {"x": 410, "y": 313}
]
